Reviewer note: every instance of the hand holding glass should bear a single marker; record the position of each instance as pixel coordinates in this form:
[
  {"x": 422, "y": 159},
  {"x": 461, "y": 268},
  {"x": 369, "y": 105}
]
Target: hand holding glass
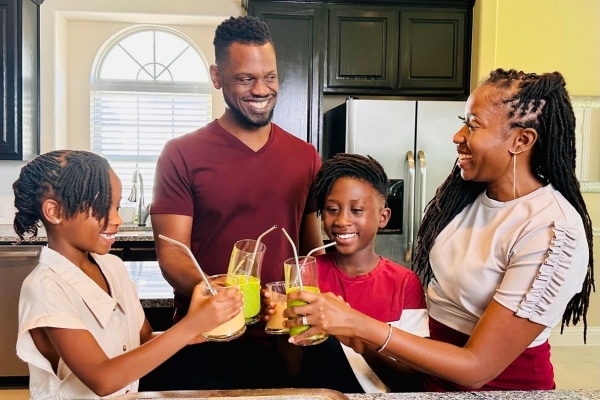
[
  {"x": 277, "y": 295},
  {"x": 302, "y": 275},
  {"x": 233, "y": 328}
]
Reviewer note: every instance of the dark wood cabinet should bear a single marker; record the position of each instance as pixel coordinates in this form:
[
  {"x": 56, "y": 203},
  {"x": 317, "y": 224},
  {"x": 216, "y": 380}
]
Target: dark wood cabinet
[
  {"x": 399, "y": 50},
  {"x": 435, "y": 56},
  {"x": 134, "y": 250},
  {"x": 297, "y": 31},
  {"x": 19, "y": 79},
  {"x": 362, "y": 49},
  {"x": 412, "y": 48}
]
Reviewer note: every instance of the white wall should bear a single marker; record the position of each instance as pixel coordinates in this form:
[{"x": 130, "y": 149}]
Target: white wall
[{"x": 72, "y": 32}]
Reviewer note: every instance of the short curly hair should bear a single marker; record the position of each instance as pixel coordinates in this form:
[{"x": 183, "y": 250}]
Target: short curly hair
[
  {"x": 346, "y": 165},
  {"x": 245, "y": 30}
]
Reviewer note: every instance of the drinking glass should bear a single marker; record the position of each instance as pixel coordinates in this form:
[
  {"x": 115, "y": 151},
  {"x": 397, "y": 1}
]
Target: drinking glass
[
  {"x": 277, "y": 293},
  {"x": 245, "y": 264},
  {"x": 233, "y": 328},
  {"x": 303, "y": 273}
]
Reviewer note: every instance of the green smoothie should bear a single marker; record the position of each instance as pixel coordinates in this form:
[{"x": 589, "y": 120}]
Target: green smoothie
[
  {"x": 299, "y": 329},
  {"x": 250, "y": 287}
]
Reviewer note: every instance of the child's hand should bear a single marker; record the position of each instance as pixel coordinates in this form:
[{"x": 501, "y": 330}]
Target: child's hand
[
  {"x": 207, "y": 312},
  {"x": 268, "y": 306}
]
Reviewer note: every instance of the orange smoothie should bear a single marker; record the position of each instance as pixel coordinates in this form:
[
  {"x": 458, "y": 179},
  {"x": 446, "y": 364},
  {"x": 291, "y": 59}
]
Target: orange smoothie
[
  {"x": 275, "y": 322},
  {"x": 228, "y": 330}
]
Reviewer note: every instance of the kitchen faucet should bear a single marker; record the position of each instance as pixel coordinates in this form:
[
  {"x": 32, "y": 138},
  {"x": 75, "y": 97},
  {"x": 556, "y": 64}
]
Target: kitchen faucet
[{"x": 143, "y": 209}]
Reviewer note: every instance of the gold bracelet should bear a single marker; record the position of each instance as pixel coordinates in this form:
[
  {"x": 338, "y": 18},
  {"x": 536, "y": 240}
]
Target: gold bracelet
[{"x": 387, "y": 340}]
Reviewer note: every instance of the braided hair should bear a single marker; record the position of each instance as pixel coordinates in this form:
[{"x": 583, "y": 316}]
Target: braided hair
[
  {"x": 345, "y": 165},
  {"x": 77, "y": 180},
  {"x": 245, "y": 30},
  {"x": 532, "y": 101}
]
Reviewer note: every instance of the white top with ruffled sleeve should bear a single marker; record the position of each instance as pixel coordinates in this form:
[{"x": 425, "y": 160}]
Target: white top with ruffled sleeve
[{"x": 530, "y": 255}]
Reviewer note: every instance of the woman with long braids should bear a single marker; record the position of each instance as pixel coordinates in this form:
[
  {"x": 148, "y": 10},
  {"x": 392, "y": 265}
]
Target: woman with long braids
[{"x": 505, "y": 248}]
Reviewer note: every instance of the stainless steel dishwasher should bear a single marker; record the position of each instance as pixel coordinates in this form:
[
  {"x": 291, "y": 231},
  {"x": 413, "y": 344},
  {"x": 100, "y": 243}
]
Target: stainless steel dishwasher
[{"x": 15, "y": 264}]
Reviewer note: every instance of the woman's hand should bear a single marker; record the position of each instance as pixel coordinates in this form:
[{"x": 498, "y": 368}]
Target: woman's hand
[
  {"x": 354, "y": 343},
  {"x": 325, "y": 313}
]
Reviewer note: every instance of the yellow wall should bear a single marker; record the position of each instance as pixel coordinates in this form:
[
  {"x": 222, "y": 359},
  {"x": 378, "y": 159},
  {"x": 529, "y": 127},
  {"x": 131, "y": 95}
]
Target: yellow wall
[
  {"x": 540, "y": 36},
  {"x": 544, "y": 36}
]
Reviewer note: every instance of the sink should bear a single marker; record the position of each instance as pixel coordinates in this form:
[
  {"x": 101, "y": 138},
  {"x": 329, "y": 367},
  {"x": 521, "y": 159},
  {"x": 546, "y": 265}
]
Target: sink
[{"x": 243, "y": 394}]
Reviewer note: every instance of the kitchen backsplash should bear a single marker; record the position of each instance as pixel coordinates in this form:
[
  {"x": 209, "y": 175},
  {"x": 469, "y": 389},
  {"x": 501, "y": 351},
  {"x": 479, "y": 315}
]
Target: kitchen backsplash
[{"x": 9, "y": 171}]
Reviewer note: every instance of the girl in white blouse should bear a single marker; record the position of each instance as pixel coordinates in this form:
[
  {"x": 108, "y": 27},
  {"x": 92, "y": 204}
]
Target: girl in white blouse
[{"x": 82, "y": 329}]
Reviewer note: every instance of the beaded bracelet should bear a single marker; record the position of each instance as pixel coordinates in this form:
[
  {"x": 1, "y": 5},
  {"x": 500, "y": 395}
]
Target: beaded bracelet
[{"x": 387, "y": 340}]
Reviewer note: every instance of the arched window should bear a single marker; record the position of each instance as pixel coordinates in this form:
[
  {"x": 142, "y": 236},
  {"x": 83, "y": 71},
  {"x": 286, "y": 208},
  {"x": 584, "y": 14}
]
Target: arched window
[{"x": 149, "y": 84}]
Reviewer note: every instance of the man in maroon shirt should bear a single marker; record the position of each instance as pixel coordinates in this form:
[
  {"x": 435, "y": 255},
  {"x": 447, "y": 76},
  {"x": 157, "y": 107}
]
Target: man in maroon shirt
[{"x": 230, "y": 180}]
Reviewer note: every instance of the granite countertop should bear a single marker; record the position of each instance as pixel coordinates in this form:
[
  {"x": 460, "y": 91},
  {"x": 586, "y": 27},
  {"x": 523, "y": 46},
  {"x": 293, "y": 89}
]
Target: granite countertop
[
  {"x": 590, "y": 394},
  {"x": 324, "y": 394},
  {"x": 153, "y": 290},
  {"x": 128, "y": 232}
]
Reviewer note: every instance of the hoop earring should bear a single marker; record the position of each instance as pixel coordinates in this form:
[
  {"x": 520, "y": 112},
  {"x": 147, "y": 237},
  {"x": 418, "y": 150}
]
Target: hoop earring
[{"x": 514, "y": 157}]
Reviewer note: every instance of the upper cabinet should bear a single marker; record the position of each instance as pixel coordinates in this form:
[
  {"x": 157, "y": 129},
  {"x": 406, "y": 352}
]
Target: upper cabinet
[
  {"x": 399, "y": 50},
  {"x": 362, "y": 48},
  {"x": 19, "y": 79},
  {"x": 414, "y": 48}
]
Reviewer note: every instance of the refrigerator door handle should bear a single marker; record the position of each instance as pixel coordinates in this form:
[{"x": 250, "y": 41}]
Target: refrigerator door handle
[
  {"x": 422, "y": 186},
  {"x": 410, "y": 170}
]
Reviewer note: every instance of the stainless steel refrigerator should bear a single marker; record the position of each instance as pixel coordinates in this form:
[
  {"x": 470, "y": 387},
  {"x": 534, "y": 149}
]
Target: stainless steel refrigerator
[{"x": 412, "y": 140}]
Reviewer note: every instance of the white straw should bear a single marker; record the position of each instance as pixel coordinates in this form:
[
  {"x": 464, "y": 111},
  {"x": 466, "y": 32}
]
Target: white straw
[
  {"x": 256, "y": 249},
  {"x": 295, "y": 257},
  {"x": 191, "y": 255},
  {"x": 319, "y": 248},
  {"x": 313, "y": 250}
]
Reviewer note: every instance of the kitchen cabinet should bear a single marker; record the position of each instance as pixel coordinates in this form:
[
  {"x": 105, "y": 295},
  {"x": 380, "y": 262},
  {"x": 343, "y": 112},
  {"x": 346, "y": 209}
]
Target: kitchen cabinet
[
  {"x": 362, "y": 48},
  {"x": 399, "y": 50},
  {"x": 415, "y": 48},
  {"x": 134, "y": 250},
  {"x": 19, "y": 79},
  {"x": 298, "y": 31}
]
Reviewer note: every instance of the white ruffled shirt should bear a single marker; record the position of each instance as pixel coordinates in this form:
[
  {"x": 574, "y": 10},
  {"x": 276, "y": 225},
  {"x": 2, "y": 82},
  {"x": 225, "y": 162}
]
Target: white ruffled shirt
[
  {"x": 58, "y": 294},
  {"x": 530, "y": 255}
]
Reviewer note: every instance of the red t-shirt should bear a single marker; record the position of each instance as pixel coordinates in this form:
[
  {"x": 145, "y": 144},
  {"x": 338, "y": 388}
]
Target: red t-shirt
[
  {"x": 233, "y": 193},
  {"x": 381, "y": 294}
]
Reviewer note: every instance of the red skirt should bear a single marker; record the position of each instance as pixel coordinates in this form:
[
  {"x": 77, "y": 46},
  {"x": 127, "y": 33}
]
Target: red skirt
[{"x": 532, "y": 370}]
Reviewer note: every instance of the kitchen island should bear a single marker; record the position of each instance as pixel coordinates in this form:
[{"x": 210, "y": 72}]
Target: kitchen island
[
  {"x": 324, "y": 394},
  {"x": 591, "y": 394},
  {"x": 153, "y": 290}
]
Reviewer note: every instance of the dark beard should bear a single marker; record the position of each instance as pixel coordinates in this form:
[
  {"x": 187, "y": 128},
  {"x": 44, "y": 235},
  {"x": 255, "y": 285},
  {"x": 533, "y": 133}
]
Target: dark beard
[{"x": 245, "y": 121}]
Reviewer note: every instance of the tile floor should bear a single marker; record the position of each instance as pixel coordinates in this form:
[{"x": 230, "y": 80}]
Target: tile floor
[{"x": 576, "y": 367}]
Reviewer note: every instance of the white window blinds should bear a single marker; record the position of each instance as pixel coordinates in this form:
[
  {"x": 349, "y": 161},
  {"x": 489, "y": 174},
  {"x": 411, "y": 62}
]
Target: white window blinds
[{"x": 150, "y": 86}]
